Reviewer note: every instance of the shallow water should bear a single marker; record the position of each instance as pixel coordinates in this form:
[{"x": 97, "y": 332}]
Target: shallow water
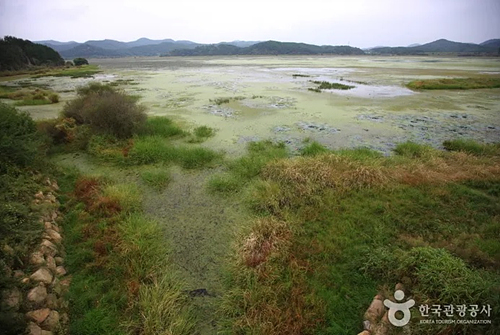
[{"x": 273, "y": 103}]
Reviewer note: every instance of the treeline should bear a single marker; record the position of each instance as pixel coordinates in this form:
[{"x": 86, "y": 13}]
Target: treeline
[
  {"x": 17, "y": 54},
  {"x": 267, "y": 48}
]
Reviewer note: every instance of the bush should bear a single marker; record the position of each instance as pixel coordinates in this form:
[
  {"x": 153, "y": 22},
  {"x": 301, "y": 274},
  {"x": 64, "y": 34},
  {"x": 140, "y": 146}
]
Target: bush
[
  {"x": 54, "y": 98},
  {"x": 106, "y": 111},
  {"x": 80, "y": 61},
  {"x": 18, "y": 138}
]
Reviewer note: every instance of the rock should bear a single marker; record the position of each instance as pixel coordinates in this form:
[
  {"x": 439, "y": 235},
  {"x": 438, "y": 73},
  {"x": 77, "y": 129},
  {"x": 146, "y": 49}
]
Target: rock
[
  {"x": 37, "y": 258},
  {"x": 18, "y": 274},
  {"x": 11, "y": 299},
  {"x": 47, "y": 225},
  {"x": 51, "y": 197},
  {"x": 366, "y": 325},
  {"x": 65, "y": 283},
  {"x": 60, "y": 270},
  {"x": 51, "y": 263},
  {"x": 375, "y": 311},
  {"x": 51, "y": 301},
  {"x": 52, "y": 321},
  {"x": 25, "y": 280},
  {"x": 52, "y": 235},
  {"x": 56, "y": 227},
  {"x": 34, "y": 329},
  {"x": 64, "y": 319},
  {"x": 42, "y": 275},
  {"x": 399, "y": 286},
  {"x": 39, "y": 315},
  {"x": 39, "y": 195},
  {"x": 37, "y": 294},
  {"x": 59, "y": 260},
  {"x": 364, "y": 332},
  {"x": 54, "y": 215},
  {"x": 48, "y": 248}
]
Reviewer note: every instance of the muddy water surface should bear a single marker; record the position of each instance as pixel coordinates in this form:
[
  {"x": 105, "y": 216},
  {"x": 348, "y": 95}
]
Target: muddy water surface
[{"x": 273, "y": 100}]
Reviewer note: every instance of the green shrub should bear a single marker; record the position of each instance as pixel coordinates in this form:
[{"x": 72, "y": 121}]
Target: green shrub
[
  {"x": 204, "y": 131},
  {"x": 18, "y": 138},
  {"x": 80, "y": 61},
  {"x": 472, "y": 147},
  {"x": 54, "y": 98},
  {"x": 106, "y": 111}
]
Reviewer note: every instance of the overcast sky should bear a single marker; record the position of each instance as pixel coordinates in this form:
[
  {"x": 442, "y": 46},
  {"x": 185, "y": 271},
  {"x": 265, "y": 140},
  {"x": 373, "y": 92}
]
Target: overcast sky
[{"x": 362, "y": 23}]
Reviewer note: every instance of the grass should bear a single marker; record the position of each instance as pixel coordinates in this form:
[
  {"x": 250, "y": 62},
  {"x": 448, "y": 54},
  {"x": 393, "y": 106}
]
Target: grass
[
  {"x": 455, "y": 83},
  {"x": 336, "y": 228},
  {"x": 154, "y": 149},
  {"x": 84, "y": 71},
  {"x": 161, "y": 126},
  {"x": 312, "y": 149},
  {"x": 472, "y": 147},
  {"x": 122, "y": 282},
  {"x": 325, "y": 85},
  {"x": 200, "y": 134},
  {"x": 28, "y": 95},
  {"x": 242, "y": 170},
  {"x": 157, "y": 178}
]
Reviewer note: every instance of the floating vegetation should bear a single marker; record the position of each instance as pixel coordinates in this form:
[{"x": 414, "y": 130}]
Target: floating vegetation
[{"x": 295, "y": 75}]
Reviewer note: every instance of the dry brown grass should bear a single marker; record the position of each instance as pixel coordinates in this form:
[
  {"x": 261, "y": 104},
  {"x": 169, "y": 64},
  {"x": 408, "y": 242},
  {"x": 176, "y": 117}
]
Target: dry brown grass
[
  {"x": 309, "y": 175},
  {"x": 269, "y": 235}
]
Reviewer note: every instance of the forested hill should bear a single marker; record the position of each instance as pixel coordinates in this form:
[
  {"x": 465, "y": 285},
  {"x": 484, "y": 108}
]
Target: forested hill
[
  {"x": 16, "y": 54},
  {"x": 267, "y": 48}
]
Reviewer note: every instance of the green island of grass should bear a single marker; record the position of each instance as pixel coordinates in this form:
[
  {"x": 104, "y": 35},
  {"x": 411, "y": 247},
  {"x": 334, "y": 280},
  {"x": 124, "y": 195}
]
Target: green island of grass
[
  {"x": 325, "y": 85},
  {"x": 454, "y": 83}
]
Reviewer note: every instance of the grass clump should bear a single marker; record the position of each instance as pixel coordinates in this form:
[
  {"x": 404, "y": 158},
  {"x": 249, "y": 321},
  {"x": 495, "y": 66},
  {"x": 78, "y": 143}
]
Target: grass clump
[
  {"x": 246, "y": 168},
  {"x": 472, "y": 147},
  {"x": 225, "y": 100},
  {"x": 312, "y": 149},
  {"x": 201, "y": 133},
  {"x": 154, "y": 149},
  {"x": 413, "y": 150},
  {"x": 157, "y": 178},
  {"x": 106, "y": 111},
  {"x": 84, "y": 71},
  {"x": 325, "y": 85},
  {"x": 161, "y": 126},
  {"x": 454, "y": 83}
]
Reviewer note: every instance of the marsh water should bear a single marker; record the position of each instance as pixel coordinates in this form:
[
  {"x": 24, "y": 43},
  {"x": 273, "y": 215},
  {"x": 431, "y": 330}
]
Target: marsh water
[{"x": 271, "y": 100}]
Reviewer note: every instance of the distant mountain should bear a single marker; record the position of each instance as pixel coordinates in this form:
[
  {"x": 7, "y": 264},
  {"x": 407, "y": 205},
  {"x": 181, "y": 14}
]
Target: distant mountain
[
  {"x": 439, "y": 46},
  {"x": 267, "y": 48},
  {"x": 242, "y": 44},
  {"x": 16, "y": 54},
  {"x": 414, "y": 45},
  {"x": 169, "y": 47},
  {"x": 89, "y": 51},
  {"x": 494, "y": 43}
]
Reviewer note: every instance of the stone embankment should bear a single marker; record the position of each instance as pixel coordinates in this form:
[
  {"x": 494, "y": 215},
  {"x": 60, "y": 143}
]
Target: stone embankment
[{"x": 43, "y": 282}]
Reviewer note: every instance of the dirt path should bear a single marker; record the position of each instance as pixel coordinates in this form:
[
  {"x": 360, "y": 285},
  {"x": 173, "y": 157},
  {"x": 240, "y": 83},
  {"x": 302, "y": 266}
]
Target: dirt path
[{"x": 200, "y": 229}]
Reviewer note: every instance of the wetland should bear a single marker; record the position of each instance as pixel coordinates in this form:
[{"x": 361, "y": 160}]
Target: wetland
[{"x": 274, "y": 194}]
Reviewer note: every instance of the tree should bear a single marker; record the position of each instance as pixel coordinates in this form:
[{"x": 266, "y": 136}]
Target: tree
[{"x": 80, "y": 61}]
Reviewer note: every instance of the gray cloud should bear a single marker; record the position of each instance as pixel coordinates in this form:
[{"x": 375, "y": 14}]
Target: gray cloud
[{"x": 361, "y": 23}]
